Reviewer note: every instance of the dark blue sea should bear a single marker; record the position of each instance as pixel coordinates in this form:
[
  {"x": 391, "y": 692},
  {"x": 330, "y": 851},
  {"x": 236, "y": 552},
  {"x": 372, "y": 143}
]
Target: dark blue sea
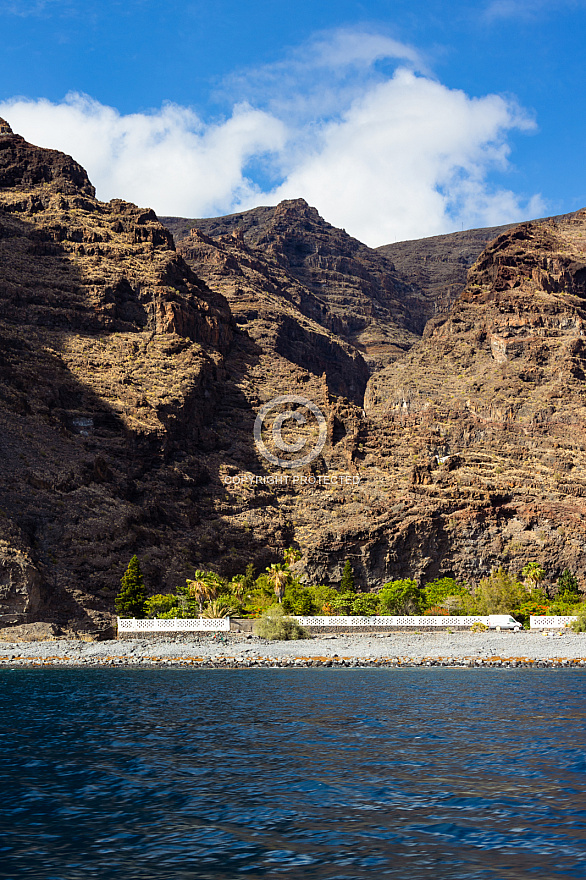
[{"x": 315, "y": 773}]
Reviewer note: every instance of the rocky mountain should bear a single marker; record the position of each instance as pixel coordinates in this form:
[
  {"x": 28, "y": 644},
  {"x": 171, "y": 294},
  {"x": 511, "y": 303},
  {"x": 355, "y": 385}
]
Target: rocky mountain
[
  {"x": 439, "y": 265},
  {"x": 378, "y": 300},
  {"x": 110, "y": 348},
  {"x": 443, "y": 489},
  {"x": 349, "y": 289},
  {"x": 132, "y": 371}
]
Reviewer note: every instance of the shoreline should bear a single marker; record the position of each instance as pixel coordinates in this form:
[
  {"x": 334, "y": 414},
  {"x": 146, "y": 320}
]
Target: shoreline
[{"x": 449, "y": 650}]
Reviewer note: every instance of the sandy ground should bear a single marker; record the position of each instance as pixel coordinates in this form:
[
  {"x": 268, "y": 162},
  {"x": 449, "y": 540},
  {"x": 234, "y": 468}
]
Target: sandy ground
[{"x": 397, "y": 648}]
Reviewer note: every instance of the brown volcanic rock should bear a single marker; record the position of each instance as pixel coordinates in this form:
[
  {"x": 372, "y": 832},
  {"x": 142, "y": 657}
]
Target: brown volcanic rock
[
  {"x": 485, "y": 419},
  {"x": 283, "y": 317},
  {"x": 129, "y": 389},
  {"x": 23, "y": 165},
  {"x": 111, "y": 358},
  {"x": 471, "y": 453},
  {"x": 438, "y": 266},
  {"x": 353, "y": 291}
]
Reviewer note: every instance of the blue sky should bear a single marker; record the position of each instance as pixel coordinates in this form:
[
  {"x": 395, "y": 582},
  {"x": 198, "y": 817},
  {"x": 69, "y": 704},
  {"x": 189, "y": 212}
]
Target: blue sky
[{"x": 395, "y": 119}]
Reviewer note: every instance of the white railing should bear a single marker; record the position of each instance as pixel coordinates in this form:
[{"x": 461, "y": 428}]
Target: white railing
[
  {"x": 551, "y": 622},
  {"x": 174, "y": 624},
  {"x": 384, "y": 620}
]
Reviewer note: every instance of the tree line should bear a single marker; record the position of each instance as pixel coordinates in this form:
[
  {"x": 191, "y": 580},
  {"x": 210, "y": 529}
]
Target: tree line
[{"x": 250, "y": 595}]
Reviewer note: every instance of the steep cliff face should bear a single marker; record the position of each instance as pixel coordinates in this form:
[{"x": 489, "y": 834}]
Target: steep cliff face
[
  {"x": 351, "y": 290},
  {"x": 438, "y": 266},
  {"x": 460, "y": 465},
  {"x": 111, "y": 357},
  {"x": 485, "y": 420},
  {"x": 288, "y": 322},
  {"x": 131, "y": 374}
]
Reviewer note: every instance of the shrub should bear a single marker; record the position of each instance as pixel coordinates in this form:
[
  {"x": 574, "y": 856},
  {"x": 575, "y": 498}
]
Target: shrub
[
  {"x": 561, "y": 607},
  {"x": 342, "y": 603},
  {"x": 219, "y": 608},
  {"x": 533, "y": 608},
  {"x": 500, "y": 593},
  {"x": 568, "y": 583},
  {"x": 132, "y": 597},
  {"x": 160, "y": 604},
  {"x": 401, "y": 597},
  {"x": 579, "y": 625},
  {"x": 478, "y": 627},
  {"x": 274, "y": 624},
  {"x": 322, "y": 597},
  {"x": 299, "y": 600},
  {"x": 248, "y": 579},
  {"x": 568, "y": 593},
  {"x": 365, "y": 605},
  {"x": 444, "y": 593}
]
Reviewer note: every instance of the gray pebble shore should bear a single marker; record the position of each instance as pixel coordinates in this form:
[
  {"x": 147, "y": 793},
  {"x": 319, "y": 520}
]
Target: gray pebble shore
[{"x": 396, "y": 649}]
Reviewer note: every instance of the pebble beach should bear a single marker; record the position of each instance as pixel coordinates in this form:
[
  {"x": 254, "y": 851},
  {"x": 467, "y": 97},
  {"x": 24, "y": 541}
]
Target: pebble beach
[{"x": 495, "y": 649}]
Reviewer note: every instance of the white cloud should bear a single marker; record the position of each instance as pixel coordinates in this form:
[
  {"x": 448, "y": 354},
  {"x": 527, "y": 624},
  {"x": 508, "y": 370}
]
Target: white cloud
[
  {"x": 409, "y": 158},
  {"x": 526, "y": 9},
  {"x": 323, "y": 76},
  {"x": 169, "y": 160},
  {"x": 387, "y": 155}
]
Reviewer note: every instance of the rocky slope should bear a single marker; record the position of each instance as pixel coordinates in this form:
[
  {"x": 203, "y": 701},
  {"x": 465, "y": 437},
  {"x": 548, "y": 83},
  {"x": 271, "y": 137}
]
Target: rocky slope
[
  {"x": 349, "y": 289},
  {"x": 488, "y": 409},
  {"x": 449, "y": 484},
  {"x": 131, "y": 376},
  {"x": 110, "y": 348},
  {"x": 438, "y": 266}
]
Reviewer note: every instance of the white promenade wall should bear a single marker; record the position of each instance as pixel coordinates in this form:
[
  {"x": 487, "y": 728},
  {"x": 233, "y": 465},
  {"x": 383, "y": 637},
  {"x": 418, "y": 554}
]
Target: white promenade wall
[
  {"x": 551, "y": 622},
  {"x": 426, "y": 622},
  {"x": 174, "y": 624}
]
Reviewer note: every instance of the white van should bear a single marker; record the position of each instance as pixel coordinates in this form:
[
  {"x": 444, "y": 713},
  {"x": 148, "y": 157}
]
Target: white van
[{"x": 503, "y": 621}]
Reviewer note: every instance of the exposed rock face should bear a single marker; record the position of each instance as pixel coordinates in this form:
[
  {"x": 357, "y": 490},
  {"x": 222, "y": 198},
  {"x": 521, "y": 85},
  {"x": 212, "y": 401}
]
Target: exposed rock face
[
  {"x": 488, "y": 411},
  {"x": 349, "y": 289},
  {"x": 131, "y": 376},
  {"x": 23, "y": 165},
  {"x": 20, "y": 580},
  {"x": 438, "y": 266},
  {"x": 444, "y": 487},
  {"x": 110, "y": 350}
]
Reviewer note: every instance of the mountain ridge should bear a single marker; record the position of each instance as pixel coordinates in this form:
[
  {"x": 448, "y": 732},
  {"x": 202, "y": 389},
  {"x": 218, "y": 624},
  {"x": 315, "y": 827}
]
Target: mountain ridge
[{"x": 132, "y": 369}]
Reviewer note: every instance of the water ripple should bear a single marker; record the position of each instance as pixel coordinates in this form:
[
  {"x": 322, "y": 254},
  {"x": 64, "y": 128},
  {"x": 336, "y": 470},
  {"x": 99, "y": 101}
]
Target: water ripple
[{"x": 334, "y": 774}]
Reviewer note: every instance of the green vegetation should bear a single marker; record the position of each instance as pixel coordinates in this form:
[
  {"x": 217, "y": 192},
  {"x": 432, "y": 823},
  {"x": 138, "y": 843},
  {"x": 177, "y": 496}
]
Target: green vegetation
[
  {"x": 209, "y": 595},
  {"x": 533, "y": 574},
  {"x": 203, "y": 587},
  {"x": 160, "y": 605},
  {"x": 579, "y": 625},
  {"x": 401, "y": 597},
  {"x": 499, "y": 593},
  {"x": 347, "y": 582},
  {"x": 219, "y": 608},
  {"x": 444, "y": 595},
  {"x": 279, "y": 576},
  {"x": 274, "y": 624},
  {"x": 131, "y": 599}
]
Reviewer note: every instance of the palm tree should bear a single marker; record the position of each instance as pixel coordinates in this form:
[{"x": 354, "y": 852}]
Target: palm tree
[
  {"x": 237, "y": 586},
  {"x": 533, "y": 574},
  {"x": 279, "y": 576},
  {"x": 219, "y": 608},
  {"x": 202, "y": 588}
]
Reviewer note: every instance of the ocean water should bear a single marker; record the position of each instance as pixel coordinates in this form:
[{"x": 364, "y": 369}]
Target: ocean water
[{"x": 316, "y": 773}]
